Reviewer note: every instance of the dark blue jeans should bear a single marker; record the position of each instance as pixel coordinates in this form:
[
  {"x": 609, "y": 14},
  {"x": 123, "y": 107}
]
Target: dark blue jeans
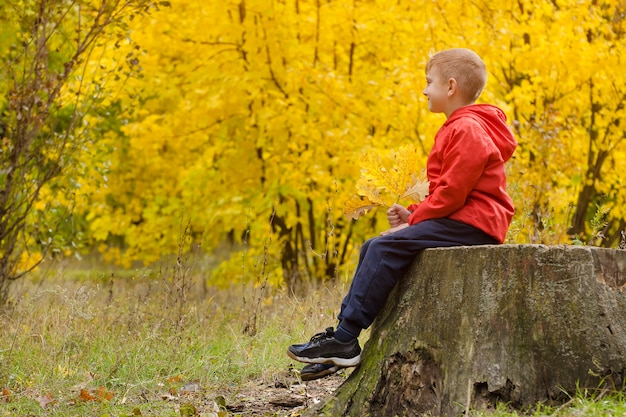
[{"x": 385, "y": 259}]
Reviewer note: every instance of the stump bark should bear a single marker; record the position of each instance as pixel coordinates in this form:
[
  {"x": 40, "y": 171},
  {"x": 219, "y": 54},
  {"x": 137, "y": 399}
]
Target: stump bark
[{"x": 470, "y": 327}]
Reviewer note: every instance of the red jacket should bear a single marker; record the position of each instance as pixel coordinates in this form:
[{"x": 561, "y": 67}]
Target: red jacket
[{"x": 466, "y": 171}]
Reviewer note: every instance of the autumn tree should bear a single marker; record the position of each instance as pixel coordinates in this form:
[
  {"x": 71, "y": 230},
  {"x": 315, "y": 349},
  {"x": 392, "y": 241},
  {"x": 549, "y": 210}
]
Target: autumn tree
[
  {"x": 256, "y": 117},
  {"x": 48, "y": 85},
  {"x": 568, "y": 109},
  {"x": 253, "y": 120}
]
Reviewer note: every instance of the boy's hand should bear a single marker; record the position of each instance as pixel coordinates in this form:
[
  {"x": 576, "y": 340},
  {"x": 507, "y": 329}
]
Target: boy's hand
[
  {"x": 394, "y": 229},
  {"x": 397, "y": 215}
]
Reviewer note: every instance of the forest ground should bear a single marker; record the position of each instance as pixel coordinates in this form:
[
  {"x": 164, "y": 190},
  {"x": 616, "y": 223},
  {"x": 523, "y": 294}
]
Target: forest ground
[{"x": 99, "y": 342}]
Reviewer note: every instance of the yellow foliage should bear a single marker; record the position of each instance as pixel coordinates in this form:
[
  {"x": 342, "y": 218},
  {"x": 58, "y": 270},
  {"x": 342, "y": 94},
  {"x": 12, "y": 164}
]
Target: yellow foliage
[
  {"x": 255, "y": 115},
  {"x": 28, "y": 261}
]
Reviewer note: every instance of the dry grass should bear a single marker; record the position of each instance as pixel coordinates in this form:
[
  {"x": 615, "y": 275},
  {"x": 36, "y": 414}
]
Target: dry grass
[
  {"x": 81, "y": 342},
  {"x": 97, "y": 342}
]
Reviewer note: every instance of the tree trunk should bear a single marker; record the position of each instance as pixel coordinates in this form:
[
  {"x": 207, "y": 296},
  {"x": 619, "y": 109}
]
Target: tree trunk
[{"x": 471, "y": 327}]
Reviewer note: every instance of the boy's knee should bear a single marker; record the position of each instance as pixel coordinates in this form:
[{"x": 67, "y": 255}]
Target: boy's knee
[{"x": 367, "y": 244}]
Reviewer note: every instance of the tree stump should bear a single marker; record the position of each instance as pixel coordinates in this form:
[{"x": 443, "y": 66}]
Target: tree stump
[{"x": 469, "y": 327}]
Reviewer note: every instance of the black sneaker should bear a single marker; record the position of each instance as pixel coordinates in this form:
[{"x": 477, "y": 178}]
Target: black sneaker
[
  {"x": 324, "y": 348},
  {"x": 317, "y": 370}
]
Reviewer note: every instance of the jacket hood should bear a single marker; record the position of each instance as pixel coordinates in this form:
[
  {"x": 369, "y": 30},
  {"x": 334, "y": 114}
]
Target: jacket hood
[{"x": 493, "y": 121}]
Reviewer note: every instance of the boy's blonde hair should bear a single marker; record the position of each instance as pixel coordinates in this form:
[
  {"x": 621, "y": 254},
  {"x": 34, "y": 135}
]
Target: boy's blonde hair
[{"x": 465, "y": 66}]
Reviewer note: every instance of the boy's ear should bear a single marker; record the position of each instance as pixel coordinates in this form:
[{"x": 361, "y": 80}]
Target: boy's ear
[{"x": 452, "y": 87}]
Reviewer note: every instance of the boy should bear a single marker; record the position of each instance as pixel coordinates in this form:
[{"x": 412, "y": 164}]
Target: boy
[{"x": 467, "y": 204}]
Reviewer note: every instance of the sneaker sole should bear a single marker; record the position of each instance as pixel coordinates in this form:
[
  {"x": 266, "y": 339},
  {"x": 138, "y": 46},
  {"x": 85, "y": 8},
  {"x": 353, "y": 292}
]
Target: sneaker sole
[
  {"x": 312, "y": 377},
  {"x": 342, "y": 362}
]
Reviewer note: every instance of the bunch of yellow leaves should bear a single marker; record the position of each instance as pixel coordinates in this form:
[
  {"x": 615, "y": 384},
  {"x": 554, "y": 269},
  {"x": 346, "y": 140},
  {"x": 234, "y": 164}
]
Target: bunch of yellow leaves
[{"x": 387, "y": 181}]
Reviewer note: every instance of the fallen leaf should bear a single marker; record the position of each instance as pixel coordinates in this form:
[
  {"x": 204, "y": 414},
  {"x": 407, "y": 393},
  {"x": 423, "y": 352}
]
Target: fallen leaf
[
  {"x": 86, "y": 396},
  {"x": 6, "y": 395},
  {"x": 188, "y": 410},
  {"x": 103, "y": 394},
  {"x": 45, "y": 400},
  {"x": 193, "y": 386},
  {"x": 173, "y": 379},
  {"x": 221, "y": 402}
]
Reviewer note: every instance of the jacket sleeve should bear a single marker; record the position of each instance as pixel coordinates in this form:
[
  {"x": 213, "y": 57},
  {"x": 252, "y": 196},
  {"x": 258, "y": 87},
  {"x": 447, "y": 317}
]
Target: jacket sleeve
[{"x": 463, "y": 156}]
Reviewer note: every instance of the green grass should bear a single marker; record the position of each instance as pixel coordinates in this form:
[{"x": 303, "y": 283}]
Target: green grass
[
  {"x": 96, "y": 343},
  {"x": 598, "y": 403},
  {"x": 140, "y": 340}
]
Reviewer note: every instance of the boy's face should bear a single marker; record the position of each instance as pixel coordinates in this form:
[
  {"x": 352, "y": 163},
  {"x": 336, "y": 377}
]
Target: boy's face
[{"x": 437, "y": 92}]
